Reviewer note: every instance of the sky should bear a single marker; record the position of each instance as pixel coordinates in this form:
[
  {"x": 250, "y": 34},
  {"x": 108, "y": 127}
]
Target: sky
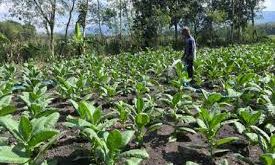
[
  {"x": 270, "y": 5},
  {"x": 4, "y": 8}
]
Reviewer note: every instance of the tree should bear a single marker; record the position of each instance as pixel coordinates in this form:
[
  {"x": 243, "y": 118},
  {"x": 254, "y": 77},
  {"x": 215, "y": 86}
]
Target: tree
[
  {"x": 146, "y": 21},
  {"x": 254, "y": 7},
  {"x": 83, "y": 9},
  {"x": 69, "y": 6},
  {"x": 44, "y": 11},
  {"x": 99, "y": 18},
  {"x": 178, "y": 9}
]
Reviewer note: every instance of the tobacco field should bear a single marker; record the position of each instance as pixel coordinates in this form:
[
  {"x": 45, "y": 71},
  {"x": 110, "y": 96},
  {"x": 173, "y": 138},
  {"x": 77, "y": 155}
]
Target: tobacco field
[{"x": 140, "y": 109}]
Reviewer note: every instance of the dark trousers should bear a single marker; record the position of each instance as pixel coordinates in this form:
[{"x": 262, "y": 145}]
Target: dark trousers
[{"x": 190, "y": 68}]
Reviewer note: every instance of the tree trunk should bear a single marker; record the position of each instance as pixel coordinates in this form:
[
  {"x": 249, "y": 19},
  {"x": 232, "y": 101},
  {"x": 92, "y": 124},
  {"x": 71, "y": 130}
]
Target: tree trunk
[
  {"x": 52, "y": 39},
  {"x": 99, "y": 19},
  {"x": 52, "y": 24},
  {"x": 67, "y": 28},
  {"x": 84, "y": 25},
  {"x": 254, "y": 35},
  {"x": 120, "y": 20},
  {"x": 233, "y": 21},
  {"x": 176, "y": 32},
  {"x": 128, "y": 21},
  {"x": 195, "y": 27}
]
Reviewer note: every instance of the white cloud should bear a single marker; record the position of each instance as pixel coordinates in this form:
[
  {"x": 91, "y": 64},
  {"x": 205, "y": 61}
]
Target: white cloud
[
  {"x": 4, "y": 10},
  {"x": 270, "y": 5}
]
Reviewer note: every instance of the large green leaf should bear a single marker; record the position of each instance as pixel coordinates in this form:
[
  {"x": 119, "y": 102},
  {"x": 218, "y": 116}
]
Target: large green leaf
[
  {"x": 12, "y": 155},
  {"x": 142, "y": 119},
  {"x": 114, "y": 140},
  {"x": 45, "y": 122},
  {"x": 11, "y": 125},
  {"x": 255, "y": 118},
  {"x": 154, "y": 127},
  {"x": 225, "y": 140},
  {"x": 176, "y": 99},
  {"x": 136, "y": 153},
  {"x": 77, "y": 123},
  {"x": 7, "y": 110},
  {"x": 133, "y": 161},
  {"x": 268, "y": 159},
  {"x": 5, "y": 101},
  {"x": 25, "y": 128},
  {"x": 91, "y": 134},
  {"x": 139, "y": 104},
  {"x": 218, "y": 119},
  {"x": 86, "y": 111},
  {"x": 40, "y": 137},
  {"x": 127, "y": 136},
  {"x": 272, "y": 143},
  {"x": 97, "y": 116},
  {"x": 240, "y": 127},
  {"x": 214, "y": 98}
]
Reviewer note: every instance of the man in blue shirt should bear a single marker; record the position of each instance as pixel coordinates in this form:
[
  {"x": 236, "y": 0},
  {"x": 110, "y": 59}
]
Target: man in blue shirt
[{"x": 189, "y": 52}]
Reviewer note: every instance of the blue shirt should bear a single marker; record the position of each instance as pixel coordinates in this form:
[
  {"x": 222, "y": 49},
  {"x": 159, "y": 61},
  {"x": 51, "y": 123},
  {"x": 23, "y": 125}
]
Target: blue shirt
[{"x": 190, "y": 49}]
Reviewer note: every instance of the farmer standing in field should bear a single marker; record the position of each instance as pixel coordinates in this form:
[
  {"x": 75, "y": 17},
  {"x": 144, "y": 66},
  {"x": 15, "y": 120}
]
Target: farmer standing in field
[{"x": 189, "y": 52}]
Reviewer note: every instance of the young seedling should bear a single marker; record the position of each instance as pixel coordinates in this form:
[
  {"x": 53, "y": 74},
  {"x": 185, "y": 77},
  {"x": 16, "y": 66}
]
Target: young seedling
[
  {"x": 123, "y": 112},
  {"x": 209, "y": 125},
  {"x": 180, "y": 117}
]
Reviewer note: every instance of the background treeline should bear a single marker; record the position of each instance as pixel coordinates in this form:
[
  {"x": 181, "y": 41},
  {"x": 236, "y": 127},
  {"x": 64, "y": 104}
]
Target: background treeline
[{"x": 73, "y": 27}]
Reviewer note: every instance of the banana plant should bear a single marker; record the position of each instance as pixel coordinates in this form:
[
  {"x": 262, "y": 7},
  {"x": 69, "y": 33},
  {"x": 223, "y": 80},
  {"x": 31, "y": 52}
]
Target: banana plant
[
  {"x": 109, "y": 147},
  {"x": 78, "y": 40},
  {"x": 210, "y": 122},
  {"x": 33, "y": 138}
]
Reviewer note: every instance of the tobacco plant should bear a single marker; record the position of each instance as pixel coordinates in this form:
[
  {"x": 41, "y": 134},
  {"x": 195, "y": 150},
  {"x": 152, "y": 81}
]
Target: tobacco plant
[{"x": 33, "y": 138}]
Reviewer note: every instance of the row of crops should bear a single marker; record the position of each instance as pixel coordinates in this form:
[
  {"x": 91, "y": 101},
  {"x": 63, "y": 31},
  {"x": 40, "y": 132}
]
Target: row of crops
[{"x": 114, "y": 103}]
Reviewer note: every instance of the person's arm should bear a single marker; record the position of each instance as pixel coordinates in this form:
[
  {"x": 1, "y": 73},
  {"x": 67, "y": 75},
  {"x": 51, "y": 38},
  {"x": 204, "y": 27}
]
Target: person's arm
[{"x": 190, "y": 50}]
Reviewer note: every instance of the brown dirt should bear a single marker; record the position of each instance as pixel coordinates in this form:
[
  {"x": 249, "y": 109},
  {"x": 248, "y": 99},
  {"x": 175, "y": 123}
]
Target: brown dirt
[{"x": 74, "y": 150}]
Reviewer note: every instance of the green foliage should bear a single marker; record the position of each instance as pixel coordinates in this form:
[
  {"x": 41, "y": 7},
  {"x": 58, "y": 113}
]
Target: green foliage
[
  {"x": 209, "y": 125},
  {"x": 111, "y": 147},
  {"x": 33, "y": 138}
]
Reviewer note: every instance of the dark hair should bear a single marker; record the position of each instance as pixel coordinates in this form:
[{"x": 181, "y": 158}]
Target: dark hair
[{"x": 186, "y": 30}]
